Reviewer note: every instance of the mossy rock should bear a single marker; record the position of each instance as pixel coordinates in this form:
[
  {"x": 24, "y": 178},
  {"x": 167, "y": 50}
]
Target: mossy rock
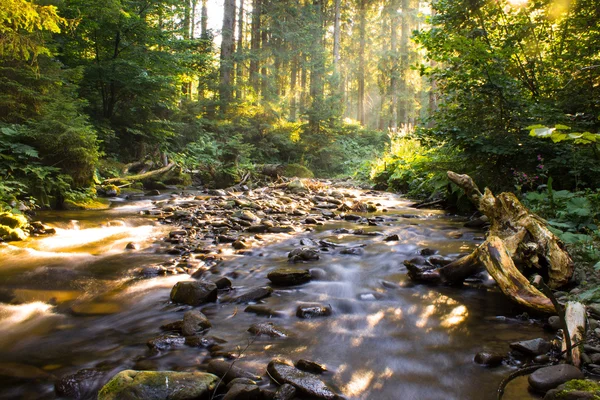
[
  {"x": 575, "y": 389},
  {"x": 158, "y": 385},
  {"x": 297, "y": 170},
  {"x": 151, "y": 184},
  {"x": 13, "y": 220},
  {"x": 12, "y": 234},
  {"x": 89, "y": 204},
  {"x": 180, "y": 179}
]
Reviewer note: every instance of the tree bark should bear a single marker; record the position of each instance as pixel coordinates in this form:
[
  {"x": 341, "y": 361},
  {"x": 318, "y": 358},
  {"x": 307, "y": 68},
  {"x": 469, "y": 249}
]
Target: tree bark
[
  {"x": 255, "y": 44},
  {"x": 227, "y": 47},
  {"x": 239, "y": 78},
  {"x": 204, "y": 21},
  {"x": 336, "y": 37},
  {"x": 360, "y": 115},
  {"x": 575, "y": 318},
  {"x": 394, "y": 74},
  {"x": 518, "y": 240}
]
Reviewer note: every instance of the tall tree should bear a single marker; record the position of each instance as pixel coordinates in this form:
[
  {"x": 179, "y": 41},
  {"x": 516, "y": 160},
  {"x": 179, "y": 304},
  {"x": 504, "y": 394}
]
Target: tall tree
[
  {"x": 239, "y": 77},
  {"x": 362, "y": 29},
  {"x": 255, "y": 44},
  {"x": 227, "y": 48}
]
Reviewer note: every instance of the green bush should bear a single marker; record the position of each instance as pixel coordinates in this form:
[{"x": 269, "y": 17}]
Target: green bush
[{"x": 297, "y": 170}]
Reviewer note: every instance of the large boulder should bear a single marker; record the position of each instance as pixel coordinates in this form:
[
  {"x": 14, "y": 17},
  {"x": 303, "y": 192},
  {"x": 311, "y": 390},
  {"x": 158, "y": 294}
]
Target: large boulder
[
  {"x": 305, "y": 382},
  {"x": 577, "y": 389},
  {"x": 83, "y": 384},
  {"x": 158, "y": 385},
  {"x": 550, "y": 377},
  {"x": 194, "y": 293},
  {"x": 289, "y": 276}
]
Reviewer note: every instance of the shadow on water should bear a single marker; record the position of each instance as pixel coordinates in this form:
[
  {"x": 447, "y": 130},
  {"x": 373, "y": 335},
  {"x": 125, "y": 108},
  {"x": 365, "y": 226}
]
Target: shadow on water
[{"x": 71, "y": 302}]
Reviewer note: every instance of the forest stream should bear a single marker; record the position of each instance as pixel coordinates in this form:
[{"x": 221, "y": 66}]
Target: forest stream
[{"x": 79, "y": 300}]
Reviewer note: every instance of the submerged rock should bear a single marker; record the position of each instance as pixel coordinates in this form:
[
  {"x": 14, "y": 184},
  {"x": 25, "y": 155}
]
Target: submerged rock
[
  {"x": 303, "y": 254},
  {"x": 489, "y": 359},
  {"x": 305, "y": 382},
  {"x": 310, "y": 366},
  {"x": 83, "y": 384},
  {"x": 312, "y": 311},
  {"x": 229, "y": 372},
  {"x": 158, "y": 385},
  {"x": 255, "y": 294},
  {"x": 268, "y": 329},
  {"x": 194, "y": 293},
  {"x": 533, "y": 347},
  {"x": 285, "y": 392},
  {"x": 241, "y": 391},
  {"x": 165, "y": 342},
  {"x": 263, "y": 311},
  {"x": 550, "y": 377},
  {"x": 289, "y": 276}
]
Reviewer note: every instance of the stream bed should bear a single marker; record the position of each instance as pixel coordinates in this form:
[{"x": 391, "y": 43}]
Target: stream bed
[{"x": 79, "y": 300}]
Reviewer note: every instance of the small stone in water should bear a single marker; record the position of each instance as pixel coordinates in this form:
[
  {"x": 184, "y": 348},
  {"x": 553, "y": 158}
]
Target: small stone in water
[
  {"x": 489, "y": 359},
  {"x": 310, "y": 366}
]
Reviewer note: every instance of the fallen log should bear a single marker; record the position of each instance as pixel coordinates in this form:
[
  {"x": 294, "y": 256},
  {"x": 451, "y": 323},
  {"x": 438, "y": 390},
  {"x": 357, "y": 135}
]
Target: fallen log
[
  {"x": 517, "y": 240},
  {"x": 140, "y": 177}
]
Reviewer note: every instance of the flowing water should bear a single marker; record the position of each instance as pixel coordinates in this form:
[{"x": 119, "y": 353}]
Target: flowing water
[{"x": 72, "y": 301}]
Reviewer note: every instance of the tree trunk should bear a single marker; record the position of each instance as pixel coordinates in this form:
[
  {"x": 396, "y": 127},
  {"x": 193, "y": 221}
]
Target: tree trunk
[
  {"x": 360, "y": 115},
  {"x": 394, "y": 74},
  {"x": 227, "y": 47},
  {"x": 403, "y": 108},
  {"x": 575, "y": 319},
  {"x": 293, "y": 95},
  {"x": 204, "y": 21},
  {"x": 336, "y": 38},
  {"x": 239, "y": 78},
  {"x": 516, "y": 237},
  {"x": 255, "y": 44}
]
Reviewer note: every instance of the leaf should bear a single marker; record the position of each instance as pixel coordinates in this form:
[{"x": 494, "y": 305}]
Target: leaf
[
  {"x": 591, "y": 294},
  {"x": 558, "y": 137},
  {"x": 561, "y": 127},
  {"x": 541, "y": 132},
  {"x": 597, "y": 266},
  {"x": 574, "y": 238}
]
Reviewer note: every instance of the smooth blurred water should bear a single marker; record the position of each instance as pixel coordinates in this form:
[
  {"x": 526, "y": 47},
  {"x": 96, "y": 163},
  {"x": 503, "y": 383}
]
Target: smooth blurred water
[{"x": 77, "y": 304}]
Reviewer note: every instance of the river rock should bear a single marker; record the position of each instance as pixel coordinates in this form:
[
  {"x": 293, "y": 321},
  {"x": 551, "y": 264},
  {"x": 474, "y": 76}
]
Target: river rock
[
  {"x": 194, "y": 322},
  {"x": 550, "y": 377},
  {"x": 310, "y": 366},
  {"x": 252, "y": 295},
  {"x": 533, "y": 347},
  {"x": 392, "y": 238},
  {"x": 305, "y": 382},
  {"x": 285, "y": 392},
  {"x": 165, "y": 342},
  {"x": 575, "y": 390},
  {"x": 281, "y": 229},
  {"x": 489, "y": 359},
  {"x": 222, "y": 282},
  {"x": 354, "y": 251},
  {"x": 174, "y": 326},
  {"x": 194, "y": 293},
  {"x": 241, "y": 391},
  {"x": 289, "y": 276},
  {"x": 263, "y": 311},
  {"x": 554, "y": 323},
  {"x": 312, "y": 311},
  {"x": 303, "y": 254},
  {"x": 229, "y": 372},
  {"x": 83, "y": 384},
  {"x": 158, "y": 385},
  {"x": 268, "y": 329}
]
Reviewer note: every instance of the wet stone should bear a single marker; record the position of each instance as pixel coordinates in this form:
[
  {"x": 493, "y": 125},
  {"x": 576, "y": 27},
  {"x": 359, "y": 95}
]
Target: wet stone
[
  {"x": 229, "y": 371},
  {"x": 427, "y": 252},
  {"x": 533, "y": 347},
  {"x": 194, "y": 322},
  {"x": 268, "y": 329},
  {"x": 263, "y": 311},
  {"x": 489, "y": 359},
  {"x": 310, "y": 366},
  {"x": 313, "y": 311},
  {"x": 165, "y": 342},
  {"x": 253, "y": 295},
  {"x": 354, "y": 251},
  {"x": 285, "y": 392},
  {"x": 305, "y": 382},
  {"x": 289, "y": 276},
  {"x": 222, "y": 282},
  {"x": 303, "y": 254},
  {"x": 175, "y": 326},
  {"x": 240, "y": 381},
  {"x": 158, "y": 385},
  {"x": 243, "y": 392},
  {"x": 82, "y": 385},
  {"x": 554, "y": 323},
  {"x": 550, "y": 377},
  {"x": 392, "y": 238},
  {"x": 194, "y": 293}
]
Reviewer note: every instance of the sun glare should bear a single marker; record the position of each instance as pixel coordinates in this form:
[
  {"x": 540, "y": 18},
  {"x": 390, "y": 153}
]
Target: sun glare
[{"x": 518, "y": 3}]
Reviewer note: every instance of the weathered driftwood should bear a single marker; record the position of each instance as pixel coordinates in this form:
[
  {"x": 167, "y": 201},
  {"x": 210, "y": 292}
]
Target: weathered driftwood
[
  {"x": 575, "y": 320},
  {"x": 517, "y": 239},
  {"x": 140, "y": 177}
]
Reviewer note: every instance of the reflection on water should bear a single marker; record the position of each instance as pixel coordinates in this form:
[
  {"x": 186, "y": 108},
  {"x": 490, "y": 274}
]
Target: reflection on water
[{"x": 76, "y": 303}]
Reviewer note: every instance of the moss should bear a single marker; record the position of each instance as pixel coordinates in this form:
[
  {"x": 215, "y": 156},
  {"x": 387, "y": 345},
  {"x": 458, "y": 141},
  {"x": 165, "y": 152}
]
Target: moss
[
  {"x": 88, "y": 204},
  {"x": 579, "y": 385},
  {"x": 12, "y": 234},
  {"x": 297, "y": 170},
  {"x": 114, "y": 188},
  {"x": 13, "y": 220}
]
